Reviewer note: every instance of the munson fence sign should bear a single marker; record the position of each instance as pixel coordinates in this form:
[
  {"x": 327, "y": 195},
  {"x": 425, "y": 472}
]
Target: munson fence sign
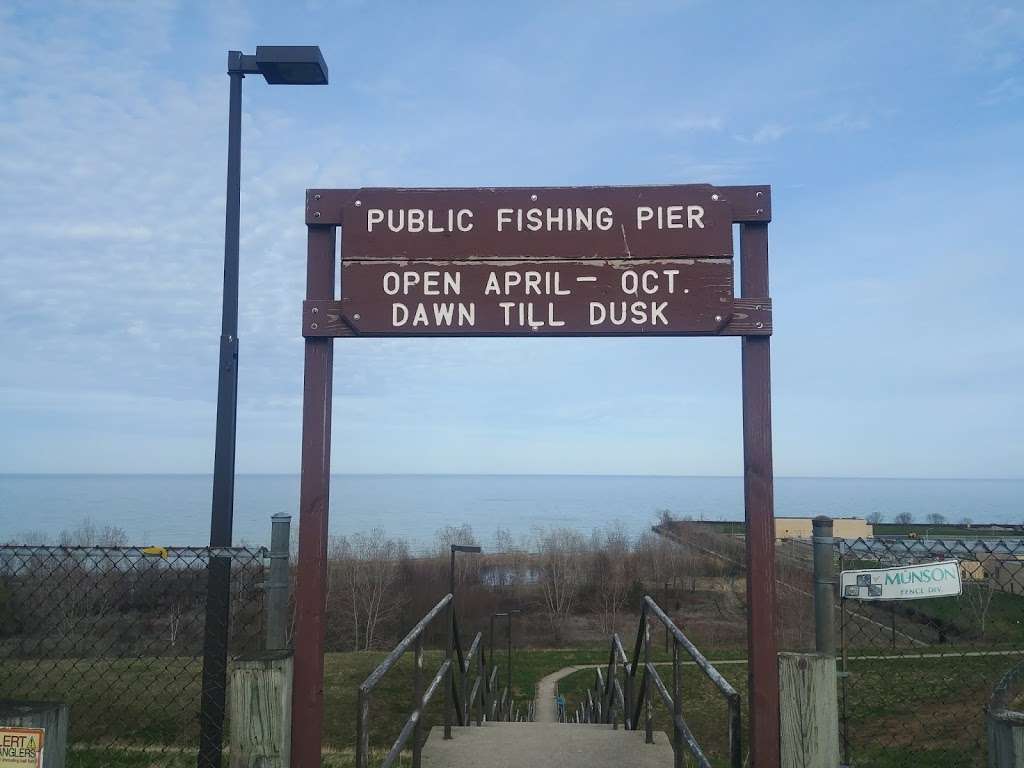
[
  {"x": 908, "y": 582},
  {"x": 590, "y": 261},
  {"x": 536, "y": 261}
]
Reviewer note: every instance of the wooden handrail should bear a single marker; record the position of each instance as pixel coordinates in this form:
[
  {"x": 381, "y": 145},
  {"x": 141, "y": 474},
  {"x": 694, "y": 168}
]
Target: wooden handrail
[
  {"x": 461, "y": 664},
  {"x": 607, "y": 702}
]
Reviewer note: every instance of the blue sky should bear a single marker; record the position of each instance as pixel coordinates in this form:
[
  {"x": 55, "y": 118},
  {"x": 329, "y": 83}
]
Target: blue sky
[{"x": 891, "y": 133}]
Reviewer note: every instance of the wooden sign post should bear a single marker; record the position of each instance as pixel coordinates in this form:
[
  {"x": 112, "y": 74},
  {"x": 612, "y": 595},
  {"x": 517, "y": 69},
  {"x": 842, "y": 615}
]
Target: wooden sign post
[{"x": 562, "y": 261}]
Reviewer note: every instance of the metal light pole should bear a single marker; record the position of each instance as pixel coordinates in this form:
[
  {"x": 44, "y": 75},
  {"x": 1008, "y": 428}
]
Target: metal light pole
[
  {"x": 450, "y": 687},
  {"x": 287, "y": 65}
]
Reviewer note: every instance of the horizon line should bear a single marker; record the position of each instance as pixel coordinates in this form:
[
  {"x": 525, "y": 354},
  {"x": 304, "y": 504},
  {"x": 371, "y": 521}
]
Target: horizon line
[{"x": 508, "y": 474}]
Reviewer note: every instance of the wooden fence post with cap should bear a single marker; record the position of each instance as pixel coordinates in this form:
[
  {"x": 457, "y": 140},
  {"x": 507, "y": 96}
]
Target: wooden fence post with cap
[
  {"x": 260, "y": 685},
  {"x": 809, "y": 710}
]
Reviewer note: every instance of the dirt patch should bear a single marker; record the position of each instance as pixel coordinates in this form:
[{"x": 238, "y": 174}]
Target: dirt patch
[{"x": 943, "y": 724}]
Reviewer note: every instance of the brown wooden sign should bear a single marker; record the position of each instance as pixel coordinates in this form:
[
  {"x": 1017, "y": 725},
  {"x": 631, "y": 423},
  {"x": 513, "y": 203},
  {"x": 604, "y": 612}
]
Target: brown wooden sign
[
  {"x": 689, "y": 221},
  {"x": 592, "y": 261},
  {"x": 528, "y": 298}
]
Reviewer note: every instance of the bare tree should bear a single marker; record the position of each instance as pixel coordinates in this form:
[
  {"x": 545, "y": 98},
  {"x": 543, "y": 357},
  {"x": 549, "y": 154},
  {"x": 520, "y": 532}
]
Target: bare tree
[
  {"x": 875, "y": 517},
  {"x": 562, "y": 563},
  {"x": 174, "y": 621},
  {"x": 364, "y": 574},
  {"x": 453, "y": 534},
  {"x": 935, "y": 518},
  {"x": 656, "y": 557},
  {"x": 30, "y": 539},
  {"x": 904, "y": 518},
  {"x": 458, "y": 534},
  {"x": 89, "y": 534},
  {"x": 977, "y": 594},
  {"x": 610, "y": 574}
]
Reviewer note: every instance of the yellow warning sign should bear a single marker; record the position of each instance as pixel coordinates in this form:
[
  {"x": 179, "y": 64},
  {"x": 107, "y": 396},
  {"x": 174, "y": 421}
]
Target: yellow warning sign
[{"x": 21, "y": 747}]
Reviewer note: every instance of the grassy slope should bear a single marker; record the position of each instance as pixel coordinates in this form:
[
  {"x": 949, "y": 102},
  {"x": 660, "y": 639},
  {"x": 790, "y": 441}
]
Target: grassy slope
[{"x": 921, "y": 712}]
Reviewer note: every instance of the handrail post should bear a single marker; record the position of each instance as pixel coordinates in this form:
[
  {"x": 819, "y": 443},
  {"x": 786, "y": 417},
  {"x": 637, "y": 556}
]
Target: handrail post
[
  {"x": 417, "y": 692},
  {"x": 630, "y": 705},
  {"x": 362, "y": 729},
  {"x": 735, "y": 734},
  {"x": 648, "y": 721},
  {"x": 449, "y": 683},
  {"x": 677, "y": 704},
  {"x": 481, "y": 676},
  {"x": 610, "y": 685},
  {"x": 486, "y": 686},
  {"x": 464, "y": 677}
]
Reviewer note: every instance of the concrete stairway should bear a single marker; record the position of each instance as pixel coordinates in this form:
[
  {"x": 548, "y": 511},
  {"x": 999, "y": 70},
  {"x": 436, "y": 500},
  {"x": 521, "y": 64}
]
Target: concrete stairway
[{"x": 537, "y": 745}]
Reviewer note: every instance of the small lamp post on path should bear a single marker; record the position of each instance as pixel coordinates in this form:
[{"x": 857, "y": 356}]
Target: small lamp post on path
[
  {"x": 508, "y": 680},
  {"x": 451, "y": 635}
]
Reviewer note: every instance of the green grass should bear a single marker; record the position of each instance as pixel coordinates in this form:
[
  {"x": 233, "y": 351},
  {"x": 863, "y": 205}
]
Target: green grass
[
  {"x": 921, "y": 712},
  {"x": 1004, "y": 620},
  {"x": 947, "y": 530}
]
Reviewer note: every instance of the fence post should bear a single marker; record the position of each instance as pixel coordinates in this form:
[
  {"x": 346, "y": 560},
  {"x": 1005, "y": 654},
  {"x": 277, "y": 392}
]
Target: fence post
[
  {"x": 259, "y": 710},
  {"x": 277, "y": 583},
  {"x": 1006, "y": 726},
  {"x": 808, "y": 710},
  {"x": 824, "y": 586}
]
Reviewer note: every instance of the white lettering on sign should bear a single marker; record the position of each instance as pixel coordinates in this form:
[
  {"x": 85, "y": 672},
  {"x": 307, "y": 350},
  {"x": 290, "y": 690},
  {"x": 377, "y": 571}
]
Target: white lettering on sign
[
  {"x": 623, "y": 296},
  {"x": 525, "y": 314},
  {"x": 440, "y": 314},
  {"x": 419, "y": 220},
  {"x": 555, "y": 219},
  {"x": 535, "y": 282},
  {"x": 908, "y": 582},
  {"x": 671, "y": 216},
  {"x": 448, "y": 220},
  {"x": 434, "y": 282},
  {"x": 623, "y": 312},
  {"x": 649, "y": 281},
  {"x": 522, "y": 314}
]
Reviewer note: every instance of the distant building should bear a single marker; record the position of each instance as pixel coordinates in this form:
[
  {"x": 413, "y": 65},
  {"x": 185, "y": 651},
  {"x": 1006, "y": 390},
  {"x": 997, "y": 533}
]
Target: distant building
[
  {"x": 1006, "y": 571},
  {"x": 842, "y": 528},
  {"x": 972, "y": 570}
]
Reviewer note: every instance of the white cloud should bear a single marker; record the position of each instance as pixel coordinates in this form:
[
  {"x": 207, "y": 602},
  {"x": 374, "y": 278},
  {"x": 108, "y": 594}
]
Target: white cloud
[
  {"x": 696, "y": 124},
  {"x": 768, "y": 133}
]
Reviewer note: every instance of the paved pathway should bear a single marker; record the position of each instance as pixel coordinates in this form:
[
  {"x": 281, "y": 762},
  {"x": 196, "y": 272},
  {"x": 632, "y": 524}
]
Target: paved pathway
[
  {"x": 545, "y": 745},
  {"x": 544, "y": 707}
]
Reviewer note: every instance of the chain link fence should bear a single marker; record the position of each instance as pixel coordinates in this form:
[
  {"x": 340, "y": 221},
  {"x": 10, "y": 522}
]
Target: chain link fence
[
  {"x": 915, "y": 675},
  {"x": 117, "y": 634}
]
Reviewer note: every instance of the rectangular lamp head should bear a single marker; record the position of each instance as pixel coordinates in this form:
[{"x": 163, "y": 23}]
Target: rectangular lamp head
[
  {"x": 465, "y": 548},
  {"x": 291, "y": 64}
]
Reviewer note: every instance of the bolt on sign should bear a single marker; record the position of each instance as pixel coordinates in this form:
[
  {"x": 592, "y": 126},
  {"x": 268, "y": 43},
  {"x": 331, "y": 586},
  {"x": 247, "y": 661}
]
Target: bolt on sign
[
  {"x": 21, "y": 747},
  {"x": 595, "y": 261},
  {"x": 911, "y": 582}
]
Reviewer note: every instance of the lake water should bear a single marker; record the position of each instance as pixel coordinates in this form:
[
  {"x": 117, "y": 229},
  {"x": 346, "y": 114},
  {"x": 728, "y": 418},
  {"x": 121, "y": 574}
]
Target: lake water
[{"x": 175, "y": 509}]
